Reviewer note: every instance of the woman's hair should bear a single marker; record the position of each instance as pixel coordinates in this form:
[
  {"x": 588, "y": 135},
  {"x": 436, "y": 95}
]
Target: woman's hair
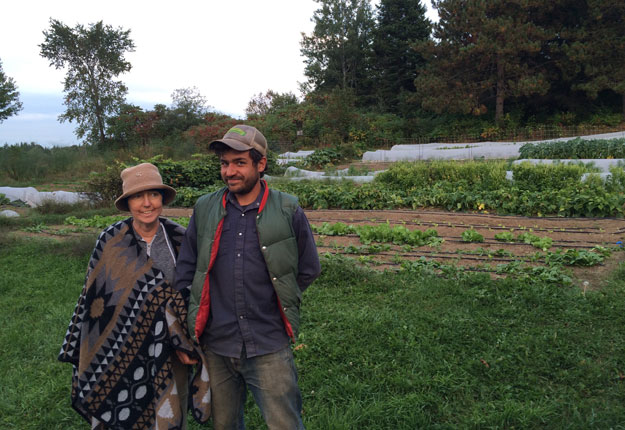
[{"x": 161, "y": 192}]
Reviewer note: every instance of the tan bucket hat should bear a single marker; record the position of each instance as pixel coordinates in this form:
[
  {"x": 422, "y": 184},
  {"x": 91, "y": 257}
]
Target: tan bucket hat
[
  {"x": 243, "y": 138},
  {"x": 142, "y": 177}
]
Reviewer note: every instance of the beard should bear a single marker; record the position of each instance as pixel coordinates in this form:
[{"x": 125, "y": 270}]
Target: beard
[{"x": 244, "y": 184}]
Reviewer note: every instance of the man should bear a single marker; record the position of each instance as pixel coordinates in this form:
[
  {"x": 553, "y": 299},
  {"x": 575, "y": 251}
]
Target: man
[{"x": 248, "y": 255}]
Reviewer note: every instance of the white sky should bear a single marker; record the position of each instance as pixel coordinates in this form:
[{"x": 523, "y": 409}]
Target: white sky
[{"x": 229, "y": 49}]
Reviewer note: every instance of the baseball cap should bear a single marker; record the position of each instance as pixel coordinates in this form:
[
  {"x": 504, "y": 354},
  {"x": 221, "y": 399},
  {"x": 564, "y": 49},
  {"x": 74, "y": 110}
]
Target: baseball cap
[{"x": 243, "y": 138}]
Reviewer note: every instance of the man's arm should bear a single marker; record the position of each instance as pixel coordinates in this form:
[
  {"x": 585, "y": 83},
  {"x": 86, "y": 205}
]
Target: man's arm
[
  {"x": 185, "y": 270},
  {"x": 187, "y": 258},
  {"x": 309, "y": 267}
]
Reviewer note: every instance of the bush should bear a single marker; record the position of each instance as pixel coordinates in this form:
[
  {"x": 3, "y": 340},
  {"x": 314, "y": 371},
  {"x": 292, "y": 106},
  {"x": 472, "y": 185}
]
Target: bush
[
  {"x": 546, "y": 176},
  {"x": 488, "y": 175}
]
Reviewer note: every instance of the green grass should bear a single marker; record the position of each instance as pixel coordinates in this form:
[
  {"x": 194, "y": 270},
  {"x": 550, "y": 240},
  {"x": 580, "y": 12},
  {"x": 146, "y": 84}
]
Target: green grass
[{"x": 380, "y": 351}]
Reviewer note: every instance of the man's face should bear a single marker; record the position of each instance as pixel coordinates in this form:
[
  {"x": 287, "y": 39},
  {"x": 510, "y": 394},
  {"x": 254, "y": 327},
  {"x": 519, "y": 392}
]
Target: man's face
[{"x": 239, "y": 172}]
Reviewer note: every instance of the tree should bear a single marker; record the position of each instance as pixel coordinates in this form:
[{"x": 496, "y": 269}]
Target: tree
[
  {"x": 600, "y": 49},
  {"x": 400, "y": 24},
  {"x": 187, "y": 109},
  {"x": 189, "y": 102},
  {"x": 93, "y": 56},
  {"x": 338, "y": 52},
  {"x": 9, "y": 96},
  {"x": 269, "y": 102},
  {"x": 483, "y": 51}
]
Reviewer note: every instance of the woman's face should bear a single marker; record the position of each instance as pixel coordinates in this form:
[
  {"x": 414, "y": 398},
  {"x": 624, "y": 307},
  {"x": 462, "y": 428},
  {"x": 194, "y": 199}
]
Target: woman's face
[{"x": 146, "y": 206}]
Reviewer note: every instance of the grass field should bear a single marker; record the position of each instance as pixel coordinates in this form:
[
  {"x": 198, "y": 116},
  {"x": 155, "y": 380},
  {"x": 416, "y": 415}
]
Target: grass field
[{"x": 378, "y": 350}]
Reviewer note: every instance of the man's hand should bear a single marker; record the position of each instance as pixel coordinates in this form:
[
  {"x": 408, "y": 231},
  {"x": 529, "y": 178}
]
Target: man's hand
[{"x": 184, "y": 358}]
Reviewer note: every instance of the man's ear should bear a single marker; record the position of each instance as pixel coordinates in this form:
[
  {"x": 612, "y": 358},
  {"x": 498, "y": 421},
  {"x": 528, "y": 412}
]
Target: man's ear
[{"x": 262, "y": 164}]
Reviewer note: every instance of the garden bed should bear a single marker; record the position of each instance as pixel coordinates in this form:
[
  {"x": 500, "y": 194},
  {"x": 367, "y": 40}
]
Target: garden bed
[{"x": 581, "y": 234}]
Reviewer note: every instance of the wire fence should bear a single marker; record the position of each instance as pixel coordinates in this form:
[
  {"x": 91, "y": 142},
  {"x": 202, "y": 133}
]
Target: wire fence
[
  {"x": 495, "y": 134},
  {"x": 525, "y": 134}
]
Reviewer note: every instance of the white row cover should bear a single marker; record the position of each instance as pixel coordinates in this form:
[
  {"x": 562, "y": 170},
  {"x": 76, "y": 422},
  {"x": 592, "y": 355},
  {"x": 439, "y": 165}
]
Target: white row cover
[
  {"x": 34, "y": 198},
  {"x": 293, "y": 173},
  {"x": 289, "y": 157},
  {"x": 460, "y": 151}
]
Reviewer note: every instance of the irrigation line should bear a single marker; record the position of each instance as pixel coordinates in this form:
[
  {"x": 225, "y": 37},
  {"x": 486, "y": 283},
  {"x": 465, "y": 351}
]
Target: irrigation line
[
  {"x": 458, "y": 257},
  {"x": 468, "y": 214},
  {"x": 464, "y": 268},
  {"x": 580, "y": 230},
  {"x": 559, "y": 244}
]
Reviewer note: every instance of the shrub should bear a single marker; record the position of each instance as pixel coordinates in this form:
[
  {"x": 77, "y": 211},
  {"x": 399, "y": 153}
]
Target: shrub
[
  {"x": 488, "y": 175},
  {"x": 546, "y": 176}
]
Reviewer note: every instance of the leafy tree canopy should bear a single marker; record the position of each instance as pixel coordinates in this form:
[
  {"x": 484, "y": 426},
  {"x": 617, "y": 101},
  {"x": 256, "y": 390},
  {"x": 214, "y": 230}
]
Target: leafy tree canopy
[
  {"x": 93, "y": 57},
  {"x": 270, "y": 102},
  {"x": 190, "y": 102},
  {"x": 9, "y": 96}
]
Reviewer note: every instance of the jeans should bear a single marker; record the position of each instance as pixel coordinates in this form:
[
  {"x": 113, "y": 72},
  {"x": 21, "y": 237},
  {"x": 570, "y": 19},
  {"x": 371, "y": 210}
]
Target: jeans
[{"x": 272, "y": 379}]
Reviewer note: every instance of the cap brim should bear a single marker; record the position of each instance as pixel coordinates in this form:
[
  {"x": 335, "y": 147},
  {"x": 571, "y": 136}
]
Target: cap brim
[
  {"x": 234, "y": 144},
  {"x": 169, "y": 195}
]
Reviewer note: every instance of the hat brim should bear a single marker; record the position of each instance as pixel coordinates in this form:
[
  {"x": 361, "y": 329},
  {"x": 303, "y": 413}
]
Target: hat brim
[
  {"x": 169, "y": 195},
  {"x": 237, "y": 146}
]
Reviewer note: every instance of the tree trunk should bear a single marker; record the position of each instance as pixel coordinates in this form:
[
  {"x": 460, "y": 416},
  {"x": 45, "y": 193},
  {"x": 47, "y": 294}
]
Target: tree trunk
[
  {"x": 623, "y": 95},
  {"x": 500, "y": 90}
]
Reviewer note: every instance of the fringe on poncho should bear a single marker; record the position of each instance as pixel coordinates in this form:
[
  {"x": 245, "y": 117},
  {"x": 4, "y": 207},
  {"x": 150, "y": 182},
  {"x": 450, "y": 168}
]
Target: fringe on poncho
[{"x": 122, "y": 338}]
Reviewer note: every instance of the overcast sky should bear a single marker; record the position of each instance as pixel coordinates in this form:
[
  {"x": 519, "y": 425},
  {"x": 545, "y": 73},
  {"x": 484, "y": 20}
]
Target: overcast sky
[{"x": 230, "y": 50}]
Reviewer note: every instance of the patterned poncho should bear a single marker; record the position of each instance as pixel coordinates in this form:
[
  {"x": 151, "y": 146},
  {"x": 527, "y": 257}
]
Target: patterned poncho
[{"x": 122, "y": 336}]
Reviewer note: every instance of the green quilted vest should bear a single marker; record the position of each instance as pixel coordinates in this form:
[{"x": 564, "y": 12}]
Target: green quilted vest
[{"x": 279, "y": 248}]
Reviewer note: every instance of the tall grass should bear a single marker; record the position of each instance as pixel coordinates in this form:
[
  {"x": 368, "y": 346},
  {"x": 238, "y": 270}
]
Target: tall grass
[
  {"x": 378, "y": 351},
  {"x": 29, "y": 164}
]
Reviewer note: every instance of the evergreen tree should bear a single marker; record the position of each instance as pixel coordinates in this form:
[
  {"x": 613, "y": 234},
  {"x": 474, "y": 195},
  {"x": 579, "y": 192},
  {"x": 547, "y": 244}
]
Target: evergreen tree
[
  {"x": 599, "y": 49},
  {"x": 483, "y": 52},
  {"x": 338, "y": 52},
  {"x": 400, "y": 23}
]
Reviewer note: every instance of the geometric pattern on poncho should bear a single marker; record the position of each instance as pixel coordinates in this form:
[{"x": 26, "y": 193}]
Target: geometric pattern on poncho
[{"x": 122, "y": 335}]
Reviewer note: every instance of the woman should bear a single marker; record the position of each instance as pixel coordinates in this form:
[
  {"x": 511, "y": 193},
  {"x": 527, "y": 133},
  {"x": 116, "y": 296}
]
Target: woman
[{"x": 129, "y": 320}]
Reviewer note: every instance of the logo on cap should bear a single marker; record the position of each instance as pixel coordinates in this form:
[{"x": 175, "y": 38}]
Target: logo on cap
[{"x": 237, "y": 131}]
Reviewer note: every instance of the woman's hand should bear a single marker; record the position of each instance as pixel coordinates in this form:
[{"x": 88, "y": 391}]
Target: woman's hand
[{"x": 185, "y": 358}]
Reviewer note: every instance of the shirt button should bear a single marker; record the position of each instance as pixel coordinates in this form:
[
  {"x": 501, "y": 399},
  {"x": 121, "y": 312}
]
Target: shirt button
[
  {"x": 274, "y": 279},
  {"x": 240, "y": 234},
  {"x": 264, "y": 248},
  {"x": 242, "y": 214},
  {"x": 241, "y": 317},
  {"x": 238, "y": 255}
]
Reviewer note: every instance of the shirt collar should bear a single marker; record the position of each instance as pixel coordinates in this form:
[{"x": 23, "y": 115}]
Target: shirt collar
[{"x": 232, "y": 199}]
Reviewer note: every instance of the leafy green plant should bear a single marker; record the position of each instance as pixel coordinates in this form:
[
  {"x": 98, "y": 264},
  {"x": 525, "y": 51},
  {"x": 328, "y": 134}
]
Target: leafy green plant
[
  {"x": 38, "y": 228},
  {"x": 399, "y": 235},
  {"x": 97, "y": 221},
  {"x": 543, "y": 243},
  {"x": 322, "y": 158},
  {"x": 471, "y": 235},
  {"x": 505, "y": 236},
  {"x": 576, "y": 257},
  {"x": 575, "y": 148}
]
